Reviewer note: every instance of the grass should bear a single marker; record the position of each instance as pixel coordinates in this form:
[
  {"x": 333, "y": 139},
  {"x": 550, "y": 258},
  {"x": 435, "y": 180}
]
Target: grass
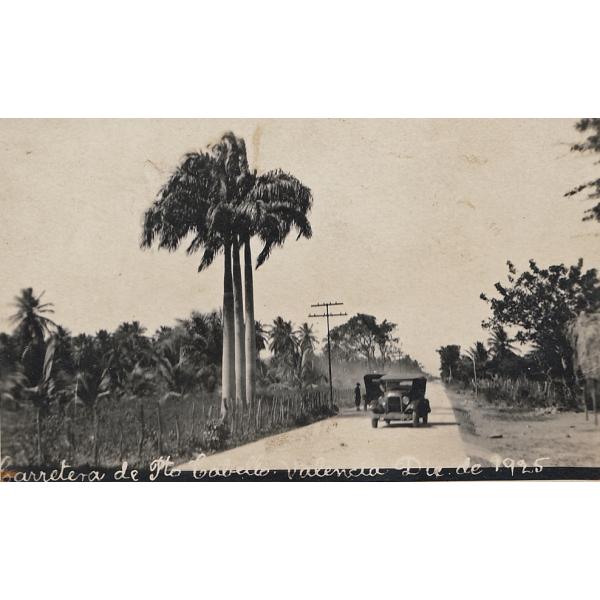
[{"x": 139, "y": 431}]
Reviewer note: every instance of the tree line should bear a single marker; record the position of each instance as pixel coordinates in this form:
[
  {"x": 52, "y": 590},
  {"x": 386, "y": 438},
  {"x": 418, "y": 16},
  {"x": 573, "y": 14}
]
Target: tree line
[{"x": 41, "y": 362}]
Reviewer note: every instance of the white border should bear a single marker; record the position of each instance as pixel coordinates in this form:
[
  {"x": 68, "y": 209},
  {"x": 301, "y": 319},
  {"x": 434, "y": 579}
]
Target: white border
[{"x": 183, "y": 58}]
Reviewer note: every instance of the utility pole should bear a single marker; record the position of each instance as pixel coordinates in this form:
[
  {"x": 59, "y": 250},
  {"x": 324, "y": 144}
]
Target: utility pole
[{"x": 327, "y": 314}]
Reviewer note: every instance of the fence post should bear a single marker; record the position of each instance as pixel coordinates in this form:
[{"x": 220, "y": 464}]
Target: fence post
[
  {"x": 193, "y": 429},
  {"x": 120, "y": 441},
  {"x": 95, "y": 436},
  {"x": 177, "y": 432},
  {"x": 69, "y": 438},
  {"x": 259, "y": 415},
  {"x": 39, "y": 436},
  {"x": 142, "y": 431},
  {"x": 594, "y": 406},
  {"x": 160, "y": 444}
]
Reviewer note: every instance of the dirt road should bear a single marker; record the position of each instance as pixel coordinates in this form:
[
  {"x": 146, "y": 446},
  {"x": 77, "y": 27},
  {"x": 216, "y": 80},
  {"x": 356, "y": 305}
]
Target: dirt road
[{"x": 349, "y": 441}]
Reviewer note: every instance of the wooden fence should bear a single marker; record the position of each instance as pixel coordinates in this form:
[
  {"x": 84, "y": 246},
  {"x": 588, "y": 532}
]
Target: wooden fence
[{"x": 138, "y": 431}]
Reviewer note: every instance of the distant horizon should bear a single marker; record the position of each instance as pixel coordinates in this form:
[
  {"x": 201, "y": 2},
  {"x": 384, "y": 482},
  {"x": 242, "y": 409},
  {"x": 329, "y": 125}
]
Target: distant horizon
[{"x": 412, "y": 219}]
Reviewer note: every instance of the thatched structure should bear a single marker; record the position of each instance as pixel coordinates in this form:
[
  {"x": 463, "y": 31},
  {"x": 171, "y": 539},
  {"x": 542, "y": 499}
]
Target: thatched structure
[{"x": 585, "y": 339}]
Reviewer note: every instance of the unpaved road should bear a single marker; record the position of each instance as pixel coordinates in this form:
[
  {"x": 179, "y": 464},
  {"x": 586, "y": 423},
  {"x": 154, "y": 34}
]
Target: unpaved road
[{"x": 348, "y": 441}]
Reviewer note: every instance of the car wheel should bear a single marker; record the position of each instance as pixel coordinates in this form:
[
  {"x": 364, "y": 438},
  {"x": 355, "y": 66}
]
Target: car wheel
[
  {"x": 374, "y": 423},
  {"x": 415, "y": 419}
]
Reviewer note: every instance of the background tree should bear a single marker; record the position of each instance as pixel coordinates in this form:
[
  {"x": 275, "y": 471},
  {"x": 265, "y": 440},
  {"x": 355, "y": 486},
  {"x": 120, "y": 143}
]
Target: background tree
[
  {"x": 357, "y": 336},
  {"x": 304, "y": 366},
  {"x": 360, "y": 337},
  {"x": 93, "y": 379},
  {"x": 130, "y": 346},
  {"x": 591, "y": 144},
  {"x": 9, "y": 354},
  {"x": 499, "y": 343},
  {"x": 478, "y": 356},
  {"x": 175, "y": 367},
  {"x": 261, "y": 336},
  {"x": 282, "y": 342},
  {"x": 32, "y": 326},
  {"x": 306, "y": 338},
  {"x": 449, "y": 361},
  {"x": 540, "y": 303},
  {"x": 384, "y": 339},
  {"x": 406, "y": 364}
]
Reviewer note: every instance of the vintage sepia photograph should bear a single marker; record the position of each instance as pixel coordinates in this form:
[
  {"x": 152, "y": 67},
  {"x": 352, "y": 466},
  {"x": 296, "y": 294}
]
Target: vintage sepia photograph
[
  {"x": 307, "y": 297},
  {"x": 316, "y": 285}
]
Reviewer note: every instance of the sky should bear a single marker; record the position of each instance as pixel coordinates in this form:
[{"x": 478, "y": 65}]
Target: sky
[{"x": 412, "y": 219}]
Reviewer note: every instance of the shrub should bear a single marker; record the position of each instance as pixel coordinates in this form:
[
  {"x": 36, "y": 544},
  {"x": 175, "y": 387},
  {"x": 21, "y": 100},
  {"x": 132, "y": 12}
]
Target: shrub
[{"x": 216, "y": 433}]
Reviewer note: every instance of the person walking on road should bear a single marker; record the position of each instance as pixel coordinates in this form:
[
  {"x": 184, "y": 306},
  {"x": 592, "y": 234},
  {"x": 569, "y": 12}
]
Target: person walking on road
[{"x": 357, "y": 396}]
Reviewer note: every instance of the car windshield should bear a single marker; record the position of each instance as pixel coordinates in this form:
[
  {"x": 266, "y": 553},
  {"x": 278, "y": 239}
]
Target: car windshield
[{"x": 397, "y": 384}]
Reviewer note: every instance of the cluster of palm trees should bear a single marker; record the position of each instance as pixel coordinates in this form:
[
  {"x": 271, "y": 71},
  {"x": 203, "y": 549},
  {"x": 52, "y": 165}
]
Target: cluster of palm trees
[
  {"x": 41, "y": 362},
  {"x": 216, "y": 204},
  {"x": 496, "y": 359},
  {"x": 293, "y": 361},
  {"x": 43, "y": 365}
]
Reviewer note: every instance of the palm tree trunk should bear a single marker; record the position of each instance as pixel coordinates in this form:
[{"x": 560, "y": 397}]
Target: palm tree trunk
[
  {"x": 250, "y": 345},
  {"x": 238, "y": 308},
  {"x": 228, "y": 364}
]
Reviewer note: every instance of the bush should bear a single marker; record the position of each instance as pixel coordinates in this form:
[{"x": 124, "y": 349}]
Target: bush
[
  {"x": 215, "y": 434},
  {"x": 525, "y": 393}
]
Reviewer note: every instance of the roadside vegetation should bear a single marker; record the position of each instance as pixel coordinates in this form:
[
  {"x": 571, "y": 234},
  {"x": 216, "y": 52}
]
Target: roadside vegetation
[
  {"x": 536, "y": 364},
  {"x": 132, "y": 395}
]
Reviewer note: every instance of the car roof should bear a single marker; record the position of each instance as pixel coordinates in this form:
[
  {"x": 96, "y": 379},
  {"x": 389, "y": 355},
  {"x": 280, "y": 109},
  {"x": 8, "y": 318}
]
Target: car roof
[{"x": 399, "y": 378}]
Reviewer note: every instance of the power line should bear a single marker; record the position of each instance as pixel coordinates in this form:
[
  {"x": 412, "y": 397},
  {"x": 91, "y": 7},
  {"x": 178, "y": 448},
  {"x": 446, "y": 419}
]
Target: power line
[{"x": 327, "y": 315}]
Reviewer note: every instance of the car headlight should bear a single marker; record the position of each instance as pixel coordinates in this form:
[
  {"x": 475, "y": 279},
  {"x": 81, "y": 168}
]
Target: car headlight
[{"x": 405, "y": 400}]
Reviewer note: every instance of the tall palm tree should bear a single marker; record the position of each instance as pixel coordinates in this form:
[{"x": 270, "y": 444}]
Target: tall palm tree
[
  {"x": 268, "y": 206},
  {"x": 230, "y": 154},
  {"x": 214, "y": 197},
  {"x": 274, "y": 205},
  {"x": 196, "y": 203}
]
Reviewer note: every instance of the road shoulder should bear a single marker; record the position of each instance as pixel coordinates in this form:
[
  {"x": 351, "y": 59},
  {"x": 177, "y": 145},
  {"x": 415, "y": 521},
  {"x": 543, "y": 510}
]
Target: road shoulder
[{"x": 563, "y": 439}]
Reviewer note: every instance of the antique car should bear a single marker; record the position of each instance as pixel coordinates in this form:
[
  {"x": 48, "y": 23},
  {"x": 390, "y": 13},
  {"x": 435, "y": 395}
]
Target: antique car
[{"x": 396, "y": 398}]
